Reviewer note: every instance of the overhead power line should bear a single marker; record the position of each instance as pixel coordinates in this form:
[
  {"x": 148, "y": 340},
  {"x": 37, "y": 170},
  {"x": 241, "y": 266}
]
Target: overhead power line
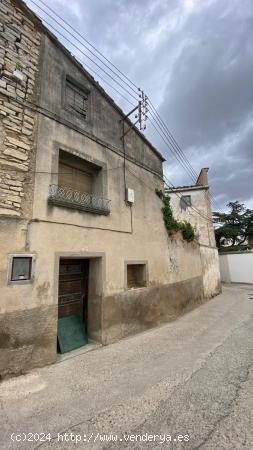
[
  {"x": 193, "y": 173},
  {"x": 165, "y": 143},
  {"x": 191, "y": 169},
  {"x": 89, "y": 43},
  {"x": 177, "y": 151},
  {"x": 170, "y": 185},
  {"x": 168, "y": 140},
  {"x": 163, "y": 131},
  {"x": 91, "y": 69},
  {"x": 87, "y": 56},
  {"x": 129, "y": 83},
  {"x": 130, "y": 86},
  {"x": 44, "y": 111}
]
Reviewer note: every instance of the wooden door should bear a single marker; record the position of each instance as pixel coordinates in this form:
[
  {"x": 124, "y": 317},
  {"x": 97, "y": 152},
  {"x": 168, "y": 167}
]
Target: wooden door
[{"x": 73, "y": 288}]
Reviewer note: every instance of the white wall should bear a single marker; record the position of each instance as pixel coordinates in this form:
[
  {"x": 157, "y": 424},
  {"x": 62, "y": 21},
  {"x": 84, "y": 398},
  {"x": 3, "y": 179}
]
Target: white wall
[{"x": 237, "y": 267}]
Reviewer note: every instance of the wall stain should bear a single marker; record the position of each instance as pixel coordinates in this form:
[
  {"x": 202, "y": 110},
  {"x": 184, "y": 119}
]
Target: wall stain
[{"x": 42, "y": 290}]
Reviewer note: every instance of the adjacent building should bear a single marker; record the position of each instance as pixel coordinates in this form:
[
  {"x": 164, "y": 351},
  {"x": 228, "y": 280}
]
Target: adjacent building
[
  {"x": 84, "y": 251},
  {"x": 193, "y": 204}
]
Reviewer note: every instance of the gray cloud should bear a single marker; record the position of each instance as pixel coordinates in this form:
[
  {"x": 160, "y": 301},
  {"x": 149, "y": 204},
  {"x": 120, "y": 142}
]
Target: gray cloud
[{"x": 195, "y": 59}]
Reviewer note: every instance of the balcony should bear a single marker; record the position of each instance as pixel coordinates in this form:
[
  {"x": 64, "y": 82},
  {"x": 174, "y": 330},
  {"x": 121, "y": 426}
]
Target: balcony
[{"x": 65, "y": 196}]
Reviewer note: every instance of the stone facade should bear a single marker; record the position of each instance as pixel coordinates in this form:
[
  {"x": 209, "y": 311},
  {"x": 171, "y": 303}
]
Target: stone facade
[{"x": 19, "y": 61}]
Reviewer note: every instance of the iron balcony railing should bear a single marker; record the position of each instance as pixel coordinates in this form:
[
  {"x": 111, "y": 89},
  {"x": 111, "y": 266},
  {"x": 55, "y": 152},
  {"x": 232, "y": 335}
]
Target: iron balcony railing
[{"x": 65, "y": 196}]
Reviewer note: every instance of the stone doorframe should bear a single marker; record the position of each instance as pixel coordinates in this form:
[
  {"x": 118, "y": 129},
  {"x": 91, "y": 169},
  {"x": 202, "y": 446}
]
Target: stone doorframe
[{"x": 96, "y": 287}]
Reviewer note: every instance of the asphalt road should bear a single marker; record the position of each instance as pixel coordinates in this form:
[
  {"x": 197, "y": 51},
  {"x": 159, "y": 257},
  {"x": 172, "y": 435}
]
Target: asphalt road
[{"x": 185, "y": 385}]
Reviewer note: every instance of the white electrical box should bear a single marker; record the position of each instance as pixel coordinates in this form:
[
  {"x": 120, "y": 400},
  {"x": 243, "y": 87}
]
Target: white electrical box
[{"x": 130, "y": 195}]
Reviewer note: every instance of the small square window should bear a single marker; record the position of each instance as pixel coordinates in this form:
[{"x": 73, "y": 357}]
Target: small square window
[
  {"x": 21, "y": 268},
  {"x": 136, "y": 275},
  {"x": 185, "y": 201}
]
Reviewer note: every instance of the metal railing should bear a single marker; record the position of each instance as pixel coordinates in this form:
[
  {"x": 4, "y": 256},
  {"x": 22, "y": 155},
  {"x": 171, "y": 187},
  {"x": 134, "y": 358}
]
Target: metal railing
[{"x": 65, "y": 196}]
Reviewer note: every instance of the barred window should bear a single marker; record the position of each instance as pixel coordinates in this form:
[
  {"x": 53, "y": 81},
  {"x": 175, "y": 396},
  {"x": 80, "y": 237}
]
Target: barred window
[{"x": 76, "y": 99}]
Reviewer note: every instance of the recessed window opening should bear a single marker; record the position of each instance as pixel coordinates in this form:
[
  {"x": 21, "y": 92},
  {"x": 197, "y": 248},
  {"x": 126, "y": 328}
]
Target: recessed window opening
[
  {"x": 76, "y": 99},
  {"x": 77, "y": 174},
  {"x": 136, "y": 276},
  {"x": 185, "y": 201},
  {"x": 79, "y": 185}
]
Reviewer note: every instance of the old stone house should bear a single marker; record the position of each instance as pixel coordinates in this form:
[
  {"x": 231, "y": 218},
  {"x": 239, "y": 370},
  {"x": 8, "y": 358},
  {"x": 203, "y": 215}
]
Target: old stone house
[
  {"x": 84, "y": 251},
  {"x": 193, "y": 204}
]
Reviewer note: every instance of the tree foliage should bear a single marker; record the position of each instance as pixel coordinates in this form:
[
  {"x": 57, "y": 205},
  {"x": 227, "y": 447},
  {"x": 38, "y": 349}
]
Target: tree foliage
[{"x": 235, "y": 228}]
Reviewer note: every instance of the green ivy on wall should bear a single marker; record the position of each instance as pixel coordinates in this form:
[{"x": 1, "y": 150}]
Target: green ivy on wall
[{"x": 171, "y": 223}]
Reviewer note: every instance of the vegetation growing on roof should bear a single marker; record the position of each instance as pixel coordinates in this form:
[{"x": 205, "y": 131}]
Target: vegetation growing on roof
[{"x": 171, "y": 223}]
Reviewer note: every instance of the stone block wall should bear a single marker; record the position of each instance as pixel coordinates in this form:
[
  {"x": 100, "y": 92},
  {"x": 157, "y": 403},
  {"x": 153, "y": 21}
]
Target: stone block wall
[{"x": 19, "y": 56}]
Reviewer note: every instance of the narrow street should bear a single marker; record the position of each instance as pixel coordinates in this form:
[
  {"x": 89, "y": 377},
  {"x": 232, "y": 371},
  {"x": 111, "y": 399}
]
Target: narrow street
[{"x": 192, "y": 377}]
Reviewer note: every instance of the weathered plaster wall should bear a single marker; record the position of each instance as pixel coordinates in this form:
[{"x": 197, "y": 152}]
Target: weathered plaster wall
[
  {"x": 199, "y": 220},
  {"x": 175, "y": 285},
  {"x": 30, "y": 343},
  {"x": 103, "y": 119},
  {"x": 139, "y": 309},
  {"x": 184, "y": 259},
  {"x": 19, "y": 50},
  {"x": 136, "y": 310},
  {"x": 200, "y": 217},
  {"x": 211, "y": 271}
]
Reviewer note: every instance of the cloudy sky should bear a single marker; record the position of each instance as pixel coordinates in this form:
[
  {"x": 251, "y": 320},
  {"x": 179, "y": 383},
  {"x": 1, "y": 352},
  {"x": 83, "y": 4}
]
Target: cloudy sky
[{"x": 194, "y": 58}]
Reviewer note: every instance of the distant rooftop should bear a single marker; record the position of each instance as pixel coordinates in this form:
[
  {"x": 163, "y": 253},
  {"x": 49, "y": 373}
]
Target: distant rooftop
[
  {"x": 193, "y": 187},
  {"x": 201, "y": 183}
]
